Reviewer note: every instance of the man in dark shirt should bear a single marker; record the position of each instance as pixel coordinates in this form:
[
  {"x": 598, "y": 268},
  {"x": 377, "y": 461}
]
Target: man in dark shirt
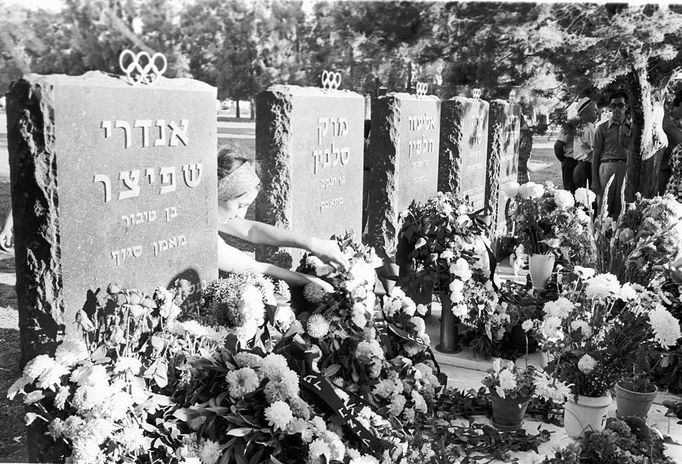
[
  {"x": 610, "y": 154},
  {"x": 672, "y": 125}
]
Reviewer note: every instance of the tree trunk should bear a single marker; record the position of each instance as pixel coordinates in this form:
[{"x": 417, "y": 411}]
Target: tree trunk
[
  {"x": 648, "y": 140},
  {"x": 252, "y": 115},
  {"x": 237, "y": 108}
]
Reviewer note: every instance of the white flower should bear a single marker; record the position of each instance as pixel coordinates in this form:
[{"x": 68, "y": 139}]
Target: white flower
[
  {"x": 209, "y": 452},
  {"x": 125, "y": 363},
  {"x": 36, "y": 366},
  {"x": 369, "y": 349},
  {"x": 456, "y": 289},
  {"x": 447, "y": 254},
  {"x": 274, "y": 366},
  {"x": 71, "y": 351},
  {"x": 550, "y": 389},
  {"x": 242, "y": 382},
  {"x": 586, "y": 364},
  {"x": 419, "y": 243},
  {"x": 318, "y": 326},
  {"x": 313, "y": 293},
  {"x": 251, "y": 304},
  {"x": 582, "y": 216},
  {"x": 497, "y": 365},
  {"x": 531, "y": 190},
  {"x": 461, "y": 269},
  {"x": 284, "y": 317},
  {"x": 627, "y": 292},
  {"x": 365, "y": 459},
  {"x": 319, "y": 448},
  {"x": 338, "y": 449},
  {"x": 507, "y": 379},
  {"x": 61, "y": 397},
  {"x": 362, "y": 273},
  {"x": 93, "y": 376},
  {"x": 602, "y": 286},
  {"x": 560, "y": 308},
  {"x": 397, "y": 404},
  {"x": 584, "y": 272},
  {"x": 422, "y": 309},
  {"x": 247, "y": 331},
  {"x": 584, "y": 196},
  {"x": 419, "y": 403},
  {"x": 583, "y": 326},
  {"x": 551, "y": 329},
  {"x": 33, "y": 397},
  {"x": 131, "y": 437},
  {"x": 563, "y": 199},
  {"x": 460, "y": 311},
  {"x": 278, "y": 415},
  {"x": 246, "y": 359},
  {"x": 666, "y": 327},
  {"x": 194, "y": 328},
  {"x": 51, "y": 376},
  {"x": 420, "y": 325},
  {"x": 511, "y": 189},
  {"x": 527, "y": 325}
]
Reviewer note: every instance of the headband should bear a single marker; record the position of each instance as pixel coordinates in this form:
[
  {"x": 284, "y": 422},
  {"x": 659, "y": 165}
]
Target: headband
[{"x": 240, "y": 181}]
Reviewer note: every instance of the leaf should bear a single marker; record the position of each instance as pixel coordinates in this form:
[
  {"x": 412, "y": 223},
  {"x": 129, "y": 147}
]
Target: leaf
[
  {"x": 185, "y": 414},
  {"x": 240, "y": 431},
  {"x": 332, "y": 370},
  {"x": 31, "y": 416}
]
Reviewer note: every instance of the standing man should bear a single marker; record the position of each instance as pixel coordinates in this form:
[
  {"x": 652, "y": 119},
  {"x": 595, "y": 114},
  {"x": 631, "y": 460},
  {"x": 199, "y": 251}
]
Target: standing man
[
  {"x": 582, "y": 142},
  {"x": 610, "y": 154},
  {"x": 563, "y": 150},
  {"x": 672, "y": 126}
]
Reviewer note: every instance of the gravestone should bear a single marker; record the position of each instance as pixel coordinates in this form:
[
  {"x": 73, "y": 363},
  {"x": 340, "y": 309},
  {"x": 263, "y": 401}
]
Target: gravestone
[
  {"x": 503, "y": 158},
  {"x": 402, "y": 161},
  {"x": 309, "y": 144},
  {"x": 111, "y": 183},
  {"x": 464, "y": 148}
]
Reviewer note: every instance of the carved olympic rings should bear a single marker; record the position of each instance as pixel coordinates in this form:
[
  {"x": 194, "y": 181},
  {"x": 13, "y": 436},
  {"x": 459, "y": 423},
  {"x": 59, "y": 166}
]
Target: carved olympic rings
[
  {"x": 476, "y": 93},
  {"x": 331, "y": 80},
  {"x": 421, "y": 88},
  {"x": 142, "y": 68}
]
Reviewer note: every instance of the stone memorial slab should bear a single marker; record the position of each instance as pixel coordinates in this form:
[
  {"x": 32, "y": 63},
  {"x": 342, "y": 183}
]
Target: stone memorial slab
[
  {"x": 503, "y": 158},
  {"x": 111, "y": 183},
  {"x": 463, "y": 148},
  {"x": 309, "y": 144},
  {"x": 403, "y": 163}
]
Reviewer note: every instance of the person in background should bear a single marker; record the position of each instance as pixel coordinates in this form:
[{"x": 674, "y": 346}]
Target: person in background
[
  {"x": 582, "y": 142},
  {"x": 563, "y": 150},
  {"x": 7, "y": 234},
  {"x": 610, "y": 150},
  {"x": 525, "y": 148},
  {"x": 238, "y": 185},
  {"x": 672, "y": 126}
]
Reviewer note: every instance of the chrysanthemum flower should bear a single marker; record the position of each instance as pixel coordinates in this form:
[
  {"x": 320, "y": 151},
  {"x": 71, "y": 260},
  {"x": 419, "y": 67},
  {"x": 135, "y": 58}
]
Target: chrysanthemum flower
[
  {"x": 242, "y": 382},
  {"x": 278, "y": 415},
  {"x": 318, "y": 326}
]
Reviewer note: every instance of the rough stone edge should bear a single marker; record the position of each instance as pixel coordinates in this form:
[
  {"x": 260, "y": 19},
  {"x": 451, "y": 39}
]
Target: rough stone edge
[
  {"x": 35, "y": 204},
  {"x": 496, "y": 117},
  {"x": 273, "y": 153},
  {"x": 449, "y": 156},
  {"x": 35, "y": 207},
  {"x": 382, "y": 219}
]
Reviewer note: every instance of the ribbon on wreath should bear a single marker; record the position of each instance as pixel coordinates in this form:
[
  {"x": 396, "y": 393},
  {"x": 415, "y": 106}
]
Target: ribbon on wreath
[
  {"x": 481, "y": 221},
  {"x": 322, "y": 387}
]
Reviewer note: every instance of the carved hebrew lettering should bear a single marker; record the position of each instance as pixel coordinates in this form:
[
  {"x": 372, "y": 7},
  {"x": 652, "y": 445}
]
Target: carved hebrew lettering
[
  {"x": 137, "y": 251},
  {"x": 104, "y": 179},
  {"x": 131, "y": 180},
  {"x": 149, "y": 173},
  {"x": 125, "y": 125},
  {"x": 343, "y": 124},
  {"x": 167, "y": 174},
  {"x": 161, "y": 124},
  {"x": 171, "y": 212},
  {"x": 106, "y": 125},
  {"x": 322, "y": 127},
  {"x": 192, "y": 174},
  {"x": 145, "y": 124},
  {"x": 178, "y": 133}
]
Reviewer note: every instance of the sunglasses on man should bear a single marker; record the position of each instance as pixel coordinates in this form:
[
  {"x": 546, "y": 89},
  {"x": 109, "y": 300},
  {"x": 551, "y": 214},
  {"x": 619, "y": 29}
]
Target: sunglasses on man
[{"x": 617, "y": 105}]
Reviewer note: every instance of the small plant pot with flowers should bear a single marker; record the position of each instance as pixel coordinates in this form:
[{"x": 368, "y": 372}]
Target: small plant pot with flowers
[
  {"x": 511, "y": 389},
  {"x": 634, "y": 397}
]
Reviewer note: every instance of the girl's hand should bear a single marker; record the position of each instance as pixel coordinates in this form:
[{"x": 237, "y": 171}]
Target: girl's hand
[{"x": 329, "y": 252}]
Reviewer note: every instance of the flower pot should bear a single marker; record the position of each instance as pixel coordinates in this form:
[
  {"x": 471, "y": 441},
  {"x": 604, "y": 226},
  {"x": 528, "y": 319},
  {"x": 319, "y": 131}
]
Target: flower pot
[
  {"x": 588, "y": 413},
  {"x": 541, "y": 267},
  {"x": 508, "y": 412},
  {"x": 630, "y": 403},
  {"x": 449, "y": 328}
]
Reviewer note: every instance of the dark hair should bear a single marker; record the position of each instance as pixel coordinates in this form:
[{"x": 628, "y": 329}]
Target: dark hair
[
  {"x": 678, "y": 99},
  {"x": 230, "y": 159},
  {"x": 619, "y": 94}
]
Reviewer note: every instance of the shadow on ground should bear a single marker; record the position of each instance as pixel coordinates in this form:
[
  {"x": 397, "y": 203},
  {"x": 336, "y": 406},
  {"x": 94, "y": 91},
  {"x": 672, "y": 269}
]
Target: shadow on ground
[{"x": 12, "y": 432}]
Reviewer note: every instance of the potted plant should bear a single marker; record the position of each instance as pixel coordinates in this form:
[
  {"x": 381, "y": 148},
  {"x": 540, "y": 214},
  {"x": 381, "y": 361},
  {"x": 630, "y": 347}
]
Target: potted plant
[
  {"x": 634, "y": 396},
  {"x": 511, "y": 390}
]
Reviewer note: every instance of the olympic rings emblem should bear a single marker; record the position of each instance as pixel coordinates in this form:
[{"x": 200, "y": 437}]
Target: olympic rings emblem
[
  {"x": 421, "y": 88},
  {"x": 331, "y": 80},
  {"x": 142, "y": 67},
  {"x": 476, "y": 93}
]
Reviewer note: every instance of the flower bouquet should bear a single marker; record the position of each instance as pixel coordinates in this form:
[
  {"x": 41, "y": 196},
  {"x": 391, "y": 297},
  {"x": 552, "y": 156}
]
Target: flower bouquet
[
  {"x": 551, "y": 222},
  {"x": 648, "y": 235},
  {"x": 103, "y": 398},
  {"x": 443, "y": 249}
]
